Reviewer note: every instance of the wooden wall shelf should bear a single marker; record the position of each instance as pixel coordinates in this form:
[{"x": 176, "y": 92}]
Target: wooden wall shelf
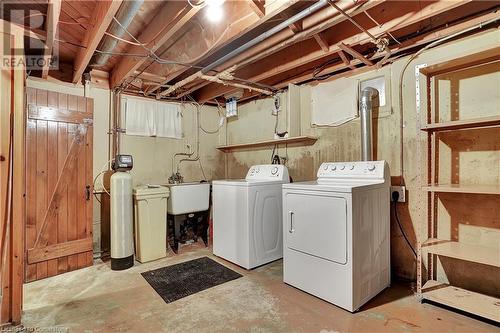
[
  {"x": 461, "y": 299},
  {"x": 459, "y": 188},
  {"x": 475, "y": 253},
  {"x": 297, "y": 141},
  {"x": 468, "y": 61},
  {"x": 463, "y": 124}
]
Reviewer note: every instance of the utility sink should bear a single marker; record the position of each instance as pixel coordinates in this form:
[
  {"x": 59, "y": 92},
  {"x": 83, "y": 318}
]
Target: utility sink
[{"x": 188, "y": 198}]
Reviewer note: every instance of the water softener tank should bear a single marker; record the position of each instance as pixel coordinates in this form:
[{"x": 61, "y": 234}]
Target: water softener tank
[{"x": 122, "y": 238}]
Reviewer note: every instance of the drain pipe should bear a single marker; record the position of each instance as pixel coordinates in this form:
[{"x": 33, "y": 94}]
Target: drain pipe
[
  {"x": 369, "y": 100},
  {"x": 125, "y": 15},
  {"x": 283, "y": 25}
]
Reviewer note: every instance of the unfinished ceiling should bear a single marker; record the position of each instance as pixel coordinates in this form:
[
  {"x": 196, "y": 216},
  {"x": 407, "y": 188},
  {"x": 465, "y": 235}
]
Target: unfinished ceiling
[{"x": 174, "y": 49}]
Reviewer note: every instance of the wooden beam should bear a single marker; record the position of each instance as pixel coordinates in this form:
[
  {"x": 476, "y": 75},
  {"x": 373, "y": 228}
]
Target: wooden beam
[
  {"x": 411, "y": 43},
  {"x": 296, "y": 27},
  {"x": 322, "y": 42},
  {"x": 170, "y": 19},
  {"x": 238, "y": 31},
  {"x": 345, "y": 60},
  {"x": 258, "y": 7},
  {"x": 346, "y": 48},
  {"x": 100, "y": 21},
  {"x": 320, "y": 22},
  {"x": 51, "y": 21},
  {"x": 398, "y": 21}
]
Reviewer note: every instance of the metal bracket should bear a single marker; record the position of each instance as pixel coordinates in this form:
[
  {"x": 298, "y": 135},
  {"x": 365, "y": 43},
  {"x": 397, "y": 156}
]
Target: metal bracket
[{"x": 419, "y": 177}]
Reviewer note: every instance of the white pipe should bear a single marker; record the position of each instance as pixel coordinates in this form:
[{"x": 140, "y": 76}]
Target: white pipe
[{"x": 235, "y": 84}]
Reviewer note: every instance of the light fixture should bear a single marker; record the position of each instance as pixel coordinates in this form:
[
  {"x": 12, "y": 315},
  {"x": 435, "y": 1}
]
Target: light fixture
[{"x": 214, "y": 10}]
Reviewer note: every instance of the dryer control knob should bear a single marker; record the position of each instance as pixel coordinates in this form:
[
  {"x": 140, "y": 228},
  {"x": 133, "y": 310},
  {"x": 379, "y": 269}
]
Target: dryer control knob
[
  {"x": 325, "y": 167},
  {"x": 351, "y": 167},
  {"x": 371, "y": 167},
  {"x": 333, "y": 168},
  {"x": 274, "y": 170},
  {"x": 342, "y": 167}
]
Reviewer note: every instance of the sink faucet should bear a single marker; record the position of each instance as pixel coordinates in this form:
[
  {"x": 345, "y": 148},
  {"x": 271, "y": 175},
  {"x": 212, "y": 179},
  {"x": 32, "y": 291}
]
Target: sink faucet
[{"x": 175, "y": 178}]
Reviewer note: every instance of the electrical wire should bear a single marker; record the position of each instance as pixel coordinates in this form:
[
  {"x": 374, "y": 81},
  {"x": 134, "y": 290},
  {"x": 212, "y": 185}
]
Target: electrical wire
[
  {"x": 219, "y": 111},
  {"x": 380, "y": 25},
  {"x": 401, "y": 228}
]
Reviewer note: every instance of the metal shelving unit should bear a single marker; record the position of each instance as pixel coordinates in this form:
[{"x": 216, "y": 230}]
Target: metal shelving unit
[{"x": 428, "y": 287}]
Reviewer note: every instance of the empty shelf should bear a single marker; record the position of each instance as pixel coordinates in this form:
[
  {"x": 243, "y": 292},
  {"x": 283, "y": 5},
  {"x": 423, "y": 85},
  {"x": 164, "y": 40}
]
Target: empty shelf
[
  {"x": 459, "y": 188},
  {"x": 299, "y": 140},
  {"x": 462, "y": 299},
  {"x": 475, "y": 253},
  {"x": 463, "y": 124}
]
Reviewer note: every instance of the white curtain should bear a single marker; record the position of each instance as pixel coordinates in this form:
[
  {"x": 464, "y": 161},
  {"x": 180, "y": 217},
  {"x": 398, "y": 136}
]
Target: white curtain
[
  {"x": 168, "y": 120},
  {"x": 151, "y": 118},
  {"x": 334, "y": 103}
]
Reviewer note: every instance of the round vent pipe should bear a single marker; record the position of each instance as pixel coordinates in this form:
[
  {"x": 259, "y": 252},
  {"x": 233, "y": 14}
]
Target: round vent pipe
[
  {"x": 125, "y": 15},
  {"x": 369, "y": 100}
]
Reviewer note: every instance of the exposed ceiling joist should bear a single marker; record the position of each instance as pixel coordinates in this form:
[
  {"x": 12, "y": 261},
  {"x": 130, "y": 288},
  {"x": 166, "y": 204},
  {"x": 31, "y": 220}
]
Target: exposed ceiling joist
[
  {"x": 100, "y": 21},
  {"x": 212, "y": 91},
  {"x": 170, "y": 19},
  {"x": 258, "y": 7},
  {"x": 51, "y": 22},
  {"x": 322, "y": 42},
  {"x": 411, "y": 43},
  {"x": 236, "y": 32},
  {"x": 322, "y": 21},
  {"x": 296, "y": 27},
  {"x": 355, "y": 54},
  {"x": 346, "y": 60}
]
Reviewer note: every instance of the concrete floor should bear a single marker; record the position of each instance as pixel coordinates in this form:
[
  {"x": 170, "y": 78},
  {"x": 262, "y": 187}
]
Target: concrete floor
[{"x": 96, "y": 299}]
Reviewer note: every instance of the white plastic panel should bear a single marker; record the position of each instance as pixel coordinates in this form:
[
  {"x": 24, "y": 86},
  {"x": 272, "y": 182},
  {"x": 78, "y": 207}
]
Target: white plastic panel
[
  {"x": 267, "y": 232},
  {"x": 316, "y": 224},
  {"x": 370, "y": 170},
  {"x": 268, "y": 172},
  {"x": 231, "y": 224}
]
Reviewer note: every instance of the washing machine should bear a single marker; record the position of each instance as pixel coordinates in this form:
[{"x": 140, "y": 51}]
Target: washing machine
[
  {"x": 247, "y": 216},
  {"x": 336, "y": 233}
]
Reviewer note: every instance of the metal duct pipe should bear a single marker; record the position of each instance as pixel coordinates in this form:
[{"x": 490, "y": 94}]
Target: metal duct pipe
[
  {"x": 125, "y": 15},
  {"x": 297, "y": 17},
  {"x": 369, "y": 98}
]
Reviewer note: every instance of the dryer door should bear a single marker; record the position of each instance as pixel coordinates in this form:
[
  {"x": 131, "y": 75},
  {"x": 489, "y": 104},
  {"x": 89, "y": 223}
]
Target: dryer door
[{"x": 316, "y": 224}]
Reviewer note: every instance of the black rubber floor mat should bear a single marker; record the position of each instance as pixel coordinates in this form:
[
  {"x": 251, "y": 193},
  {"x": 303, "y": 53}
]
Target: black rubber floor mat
[{"x": 187, "y": 278}]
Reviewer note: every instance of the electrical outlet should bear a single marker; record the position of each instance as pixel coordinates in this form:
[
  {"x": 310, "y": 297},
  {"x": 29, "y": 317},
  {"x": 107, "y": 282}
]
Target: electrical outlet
[{"x": 402, "y": 192}]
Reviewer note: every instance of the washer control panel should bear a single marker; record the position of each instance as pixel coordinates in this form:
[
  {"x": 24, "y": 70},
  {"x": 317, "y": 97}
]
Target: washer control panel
[
  {"x": 350, "y": 170},
  {"x": 268, "y": 172}
]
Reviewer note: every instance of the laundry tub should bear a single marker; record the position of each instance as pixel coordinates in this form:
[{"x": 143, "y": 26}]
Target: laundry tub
[{"x": 150, "y": 215}]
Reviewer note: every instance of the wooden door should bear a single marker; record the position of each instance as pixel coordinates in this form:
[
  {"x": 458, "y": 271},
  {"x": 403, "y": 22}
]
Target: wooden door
[{"x": 58, "y": 183}]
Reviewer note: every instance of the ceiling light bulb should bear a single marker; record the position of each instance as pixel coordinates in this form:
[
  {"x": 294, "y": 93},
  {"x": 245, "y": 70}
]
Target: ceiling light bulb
[
  {"x": 214, "y": 13},
  {"x": 214, "y": 3}
]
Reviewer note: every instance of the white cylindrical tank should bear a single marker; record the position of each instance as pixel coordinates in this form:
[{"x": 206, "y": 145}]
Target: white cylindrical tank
[{"x": 122, "y": 227}]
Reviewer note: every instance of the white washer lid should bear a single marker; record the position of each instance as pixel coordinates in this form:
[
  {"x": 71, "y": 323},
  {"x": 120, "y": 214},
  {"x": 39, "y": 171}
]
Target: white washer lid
[{"x": 246, "y": 183}]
